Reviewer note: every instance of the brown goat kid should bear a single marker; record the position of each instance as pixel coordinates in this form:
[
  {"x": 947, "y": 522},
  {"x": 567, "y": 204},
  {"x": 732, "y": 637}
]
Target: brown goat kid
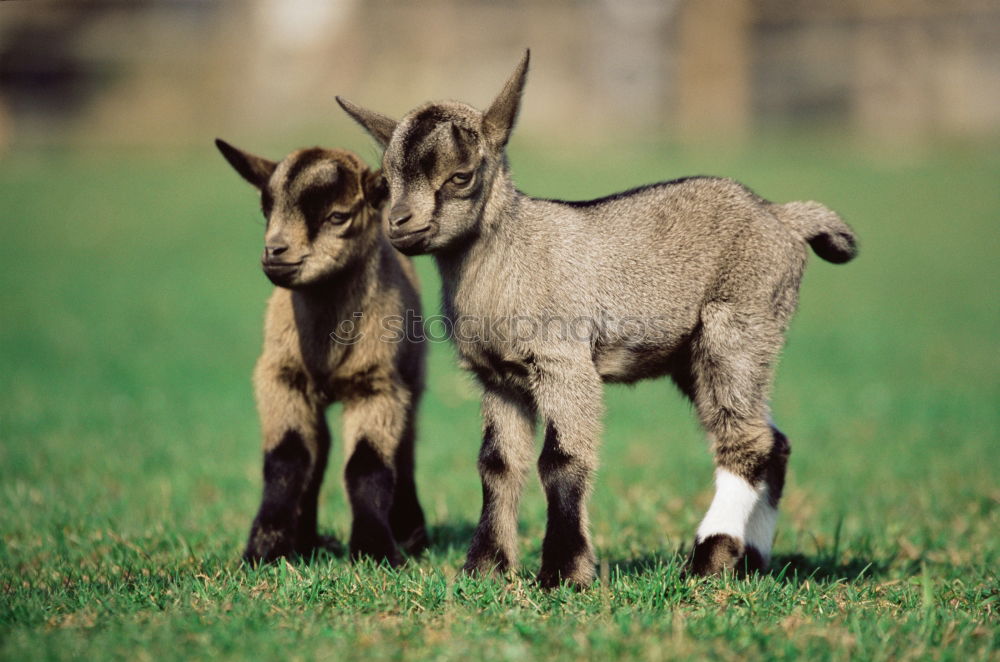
[
  {"x": 694, "y": 278},
  {"x": 338, "y": 278}
]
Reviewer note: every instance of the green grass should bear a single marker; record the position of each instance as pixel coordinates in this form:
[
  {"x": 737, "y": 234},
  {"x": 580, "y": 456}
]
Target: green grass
[{"x": 129, "y": 456}]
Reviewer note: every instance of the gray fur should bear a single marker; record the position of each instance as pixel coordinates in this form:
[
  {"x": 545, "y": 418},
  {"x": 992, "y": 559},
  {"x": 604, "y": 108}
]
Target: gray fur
[
  {"x": 710, "y": 270},
  {"x": 323, "y": 209}
]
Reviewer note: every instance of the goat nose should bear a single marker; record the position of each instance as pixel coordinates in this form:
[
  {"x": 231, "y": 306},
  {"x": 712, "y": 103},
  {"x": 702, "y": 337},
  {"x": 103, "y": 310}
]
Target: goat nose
[
  {"x": 399, "y": 214},
  {"x": 274, "y": 250}
]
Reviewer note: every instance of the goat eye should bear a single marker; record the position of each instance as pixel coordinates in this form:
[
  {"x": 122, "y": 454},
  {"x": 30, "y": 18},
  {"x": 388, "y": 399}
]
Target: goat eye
[
  {"x": 338, "y": 217},
  {"x": 461, "y": 178}
]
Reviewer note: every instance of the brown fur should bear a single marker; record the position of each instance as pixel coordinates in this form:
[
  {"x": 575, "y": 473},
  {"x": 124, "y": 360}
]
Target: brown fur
[{"x": 336, "y": 274}]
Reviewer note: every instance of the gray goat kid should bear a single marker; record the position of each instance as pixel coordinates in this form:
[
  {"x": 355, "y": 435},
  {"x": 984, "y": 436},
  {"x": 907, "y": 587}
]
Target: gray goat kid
[
  {"x": 327, "y": 253},
  {"x": 694, "y": 278}
]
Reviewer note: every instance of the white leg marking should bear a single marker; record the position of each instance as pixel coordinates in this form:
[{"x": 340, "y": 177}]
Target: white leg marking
[
  {"x": 742, "y": 511},
  {"x": 760, "y": 528},
  {"x": 734, "y": 502}
]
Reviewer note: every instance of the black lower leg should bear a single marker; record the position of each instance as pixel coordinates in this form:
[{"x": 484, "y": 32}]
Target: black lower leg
[
  {"x": 275, "y": 527},
  {"x": 490, "y": 549},
  {"x": 406, "y": 517},
  {"x": 370, "y": 486},
  {"x": 777, "y": 466},
  {"x": 307, "y": 535},
  {"x": 566, "y": 552},
  {"x": 486, "y": 554}
]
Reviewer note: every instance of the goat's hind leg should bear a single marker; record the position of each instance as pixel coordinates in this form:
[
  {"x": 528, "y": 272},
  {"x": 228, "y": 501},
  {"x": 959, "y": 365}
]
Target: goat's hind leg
[
  {"x": 738, "y": 529},
  {"x": 732, "y": 367}
]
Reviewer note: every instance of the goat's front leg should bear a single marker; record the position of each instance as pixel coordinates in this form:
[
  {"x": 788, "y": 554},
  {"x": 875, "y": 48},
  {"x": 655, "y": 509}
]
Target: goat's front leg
[
  {"x": 508, "y": 433},
  {"x": 307, "y": 537},
  {"x": 570, "y": 400},
  {"x": 374, "y": 428},
  {"x": 296, "y": 445}
]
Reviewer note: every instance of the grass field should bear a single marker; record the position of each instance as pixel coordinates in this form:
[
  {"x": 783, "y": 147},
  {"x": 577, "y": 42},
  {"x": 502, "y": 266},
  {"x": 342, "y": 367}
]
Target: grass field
[{"x": 131, "y": 303}]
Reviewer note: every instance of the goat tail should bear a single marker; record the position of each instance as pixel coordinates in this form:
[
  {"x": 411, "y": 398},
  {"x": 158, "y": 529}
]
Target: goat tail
[{"x": 826, "y": 233}]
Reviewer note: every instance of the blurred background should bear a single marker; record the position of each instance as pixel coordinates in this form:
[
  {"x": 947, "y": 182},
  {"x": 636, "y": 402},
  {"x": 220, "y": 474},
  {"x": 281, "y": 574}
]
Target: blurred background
[
  {"x": 131, "y": 295},
  {"x": 174, "y": 72}
]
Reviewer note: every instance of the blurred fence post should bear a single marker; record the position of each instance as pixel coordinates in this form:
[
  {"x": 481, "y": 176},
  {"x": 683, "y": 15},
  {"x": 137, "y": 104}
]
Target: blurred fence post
[{"x": 713, "y": 67}]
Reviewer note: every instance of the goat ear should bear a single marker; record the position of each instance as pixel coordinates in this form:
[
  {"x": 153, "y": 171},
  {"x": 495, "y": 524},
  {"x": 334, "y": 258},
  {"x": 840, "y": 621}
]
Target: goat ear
[
  {"x": 255, "y": 169},
  {"x": 378, "y": 125},
  {"x": 375, "y": 188},
  {"x": 499, "y": 120}
]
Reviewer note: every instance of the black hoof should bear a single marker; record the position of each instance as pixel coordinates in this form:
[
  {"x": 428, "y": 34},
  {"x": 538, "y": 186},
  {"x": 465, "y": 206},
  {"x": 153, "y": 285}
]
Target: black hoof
[{"x": 720, "y": 553}]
